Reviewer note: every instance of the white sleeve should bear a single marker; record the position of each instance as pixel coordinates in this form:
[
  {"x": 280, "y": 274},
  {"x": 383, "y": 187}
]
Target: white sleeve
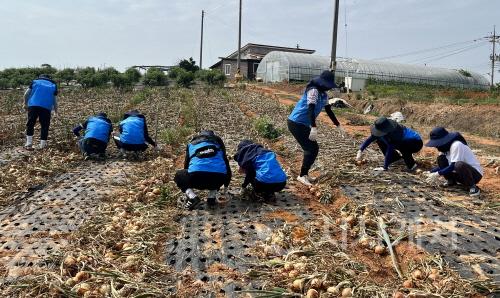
[
  {"x": 457, "y": 152},
  {"x": 312, "y": 96}
]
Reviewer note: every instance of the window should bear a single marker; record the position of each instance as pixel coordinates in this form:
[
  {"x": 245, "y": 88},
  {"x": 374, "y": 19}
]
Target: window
[{"x": 227, "y": 69}]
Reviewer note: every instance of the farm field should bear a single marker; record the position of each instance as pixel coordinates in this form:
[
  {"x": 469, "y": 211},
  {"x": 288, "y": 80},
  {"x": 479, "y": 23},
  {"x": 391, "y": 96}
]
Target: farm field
[{"x": 75, "y": 228}]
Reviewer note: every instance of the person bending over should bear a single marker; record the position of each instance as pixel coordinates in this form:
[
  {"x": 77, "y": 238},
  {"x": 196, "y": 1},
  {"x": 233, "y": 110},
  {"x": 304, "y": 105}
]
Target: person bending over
[
  {"x": 395, "y": 141},
  {"x": 134, "y": 136},
  {"x": 206, "y": 167},
  {"x": 302, "y": 120},
  {"x": 96, "y": 138},
  {"x": 262, "y": 170},
  {"x": 456, "y": 163}
]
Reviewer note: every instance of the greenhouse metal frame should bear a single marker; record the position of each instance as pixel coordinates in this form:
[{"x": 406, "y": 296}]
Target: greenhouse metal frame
[{"x": 282, "y": 66}]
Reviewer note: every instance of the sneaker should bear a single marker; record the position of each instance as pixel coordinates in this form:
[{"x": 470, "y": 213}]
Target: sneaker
[
  {"x": 192, "y": 203},
  {"x": 412, "y": 169},
  {"x": 304, "y": 180},
  {"x": 474, "y": 191},
  {"x": 43, "y": 144},
  {"x": 28, "y": 147}
]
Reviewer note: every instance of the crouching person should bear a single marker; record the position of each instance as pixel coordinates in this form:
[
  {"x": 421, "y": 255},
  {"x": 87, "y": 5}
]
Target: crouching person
[
  {"x": 262, "y": 170},
  {"x": 206, "y": 167},
  {"x": 395, "y": 141},
  {"x": 96, "y": 138},
  {"x": 134, "y": 136},
  {"x": 456, "y": 163}
]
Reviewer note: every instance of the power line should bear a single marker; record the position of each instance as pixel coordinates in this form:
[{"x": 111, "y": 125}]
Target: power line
[
  {"x": 428, "y": 50},
  {"x": 440, "y": 56}
]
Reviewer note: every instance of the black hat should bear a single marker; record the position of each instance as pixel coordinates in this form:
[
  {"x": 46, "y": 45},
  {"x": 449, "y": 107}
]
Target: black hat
[
  {"x": 45, "y": 76},
  {"x": 383, "y": 126},
  {"x": 440, "y": 136},
  {"x": 102, "y": 114},
  {"x": 326, "y": 80}
]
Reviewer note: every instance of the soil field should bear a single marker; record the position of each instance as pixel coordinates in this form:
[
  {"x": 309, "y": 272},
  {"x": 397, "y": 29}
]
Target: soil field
[{"x": 70, "y": 227}]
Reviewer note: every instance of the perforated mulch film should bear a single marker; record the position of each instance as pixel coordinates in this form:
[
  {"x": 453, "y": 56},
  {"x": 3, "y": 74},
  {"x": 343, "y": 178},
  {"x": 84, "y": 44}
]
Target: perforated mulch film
[{"x": 39, "y": 222}]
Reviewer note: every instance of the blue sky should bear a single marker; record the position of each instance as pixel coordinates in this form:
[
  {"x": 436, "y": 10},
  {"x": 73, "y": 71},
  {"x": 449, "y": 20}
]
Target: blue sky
[{"x": 122, "y": 33}]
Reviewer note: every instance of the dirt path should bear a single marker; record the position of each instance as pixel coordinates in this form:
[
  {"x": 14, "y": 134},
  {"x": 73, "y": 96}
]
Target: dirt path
[{"x": 40, "y": 223}]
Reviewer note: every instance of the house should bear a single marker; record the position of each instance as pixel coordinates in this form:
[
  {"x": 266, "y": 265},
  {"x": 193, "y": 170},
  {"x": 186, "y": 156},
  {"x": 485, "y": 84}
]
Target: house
[{"x": 251, "y": 55}]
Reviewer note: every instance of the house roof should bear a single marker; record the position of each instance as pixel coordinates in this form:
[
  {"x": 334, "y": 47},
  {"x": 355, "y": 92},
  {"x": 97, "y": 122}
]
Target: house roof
[{"x": 259, "y": 56}]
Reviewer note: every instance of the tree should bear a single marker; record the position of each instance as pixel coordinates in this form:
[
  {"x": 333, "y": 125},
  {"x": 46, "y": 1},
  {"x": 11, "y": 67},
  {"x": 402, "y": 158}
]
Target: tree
[
  {"x": 212, "y": 77},
  {"x": 155, "y": 77},
  {"x": 133, "y": 75},
  {"x": 185, "y": 78},
  {"x": 66, "y": 75},
  {"x": 189, "y": 65},
  {"x": 121, "y": 80}
]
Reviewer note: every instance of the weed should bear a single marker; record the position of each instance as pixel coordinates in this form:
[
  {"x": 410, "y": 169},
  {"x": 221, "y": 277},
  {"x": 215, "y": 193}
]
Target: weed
[
  {"x": 141, "y": 96},
  {"x": 176, "y": 136},
  {"x": 266, "y": 129}
]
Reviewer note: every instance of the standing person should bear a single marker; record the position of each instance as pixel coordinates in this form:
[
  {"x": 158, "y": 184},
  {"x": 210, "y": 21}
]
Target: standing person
[
  {"x": 457, "y": 162},
  {"x": 261, "y": 168},
  {"x": 206, "y": 167},
  {"x": 392, "y": 137},
  {"x": 302, "y": 120},
  {"x": 40, "y": 99},
  {"x": 134, "y": 134},
  {"x": 97, "y": 133}
]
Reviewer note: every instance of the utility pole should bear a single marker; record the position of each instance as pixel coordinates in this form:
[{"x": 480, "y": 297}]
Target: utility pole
[
  {"x": 201, "y": 42},
  {"x": 333, "y": 60},
  {"x": 238, "y": 62},
  {"x": 493, "y": 57}
]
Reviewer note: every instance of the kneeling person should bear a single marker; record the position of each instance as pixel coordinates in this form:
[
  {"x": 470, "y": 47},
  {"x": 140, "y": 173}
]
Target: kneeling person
[
  {"x": 457, "y": 162},
  {"x": 97, "y": 133},
  {"x": 262, "y": 170},
  {"x": 134, "y": 134},
  {"x": 206, "y": 167}
]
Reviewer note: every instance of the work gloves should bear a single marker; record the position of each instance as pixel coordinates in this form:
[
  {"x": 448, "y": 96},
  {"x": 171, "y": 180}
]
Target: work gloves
[
  {"x": 432, "y": 178},
  {"x": 313, "y": 135},
  {"x": 359, "y": 155}
]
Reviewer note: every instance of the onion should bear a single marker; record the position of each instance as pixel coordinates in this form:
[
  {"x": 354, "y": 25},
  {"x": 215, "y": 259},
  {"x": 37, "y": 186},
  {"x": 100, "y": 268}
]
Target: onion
[
  {"x": 316, "y": 283},
  {"x": 408, "y": 284},
  {"x": 333, "y": 290},
  {"x": 398, "y": 295},
  {"x": 379, "y": 249},
  {"x": 312, "y": 293},
  {"x": 301, "y": 267},
  {"x": 298, "y": 285},
  {"x": 293, "y": 273},
  {"x": 69, "y": 261},
  {"x": 347, "y": 292},
  {"x": 433, "y": 276},
  {"x": 81, "y": 276},
  {"x": 105, "y": 289},
  {"x": 288, "y": 266},
  {"x": 156, "y": 191},
  {"x": 82, "y": 289},
  {"x": 70, "y": 282},
  {"x": 417, "y": 274}
]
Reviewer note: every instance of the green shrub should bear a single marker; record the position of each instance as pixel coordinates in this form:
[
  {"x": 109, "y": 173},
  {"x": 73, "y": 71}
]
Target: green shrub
[
  {"x": 175, "y": 136},
  {"x": 189, "y": 65},
  {"x": 185, "y": 78},
  {"x": 155, "y": 77},
  {"x": 121, "y": 81},
  {"x": 133, "y": 75},
  {"x": 140, "y": 96},
  {"x": 212, "y": 77},
  {"x": 265, "y": 128}
]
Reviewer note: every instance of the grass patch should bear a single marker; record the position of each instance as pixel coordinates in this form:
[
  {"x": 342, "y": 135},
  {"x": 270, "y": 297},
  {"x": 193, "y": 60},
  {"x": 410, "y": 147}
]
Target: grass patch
[
  {"x": 265, "y": 128},
  {"x": 141, "y": 96},
  {"x": 176, "y": 136}
]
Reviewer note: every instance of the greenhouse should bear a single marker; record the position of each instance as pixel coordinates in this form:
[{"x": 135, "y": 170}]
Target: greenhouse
[{"x": 281, "y": 66}]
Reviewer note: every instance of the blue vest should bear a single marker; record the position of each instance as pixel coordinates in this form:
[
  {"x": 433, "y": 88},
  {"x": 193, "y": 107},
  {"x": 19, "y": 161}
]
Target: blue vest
[
  {"x": 268, "y": 169},
  {"x": 300, "y": 113},
  {"x": 206, "y": 157},
  {"x": 42, "y": 94},
  {"x": 132, "y": 131},
  {"x": 98, "y": 128},
  {"x": 409, "y": 134}
]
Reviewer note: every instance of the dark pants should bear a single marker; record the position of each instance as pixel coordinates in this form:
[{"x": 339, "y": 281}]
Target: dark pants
[
  {"x": 130, "y": 147},
  {"x": 301, "y": 133},
  {"x": 92, "y": 146},
  {"x": 406, "y": 150},
  {"x": 43, "y": 115},
  {"x": 267, "y": 188},
  {"x": 463, "y": 173},
  {"x": 199, "y": 180}
]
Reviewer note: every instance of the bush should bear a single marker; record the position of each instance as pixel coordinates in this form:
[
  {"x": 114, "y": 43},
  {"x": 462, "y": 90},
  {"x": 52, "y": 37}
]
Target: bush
[
  {"x": 121, "y": 81},
  {"x": 155, "y": 77},
  {"x": 173, "y": 73},
  {"x": 176, "y": 136},
  {"x": 212, "y": 77},
  {"x": 140, "y": 96},
  {"x": 66, "y": 75},
  {"x": 189, "y": 65},
  {"x": 133, "y": 75},
  {"x": 185, "y": 78},
  {"x": 266, "y": 129}
]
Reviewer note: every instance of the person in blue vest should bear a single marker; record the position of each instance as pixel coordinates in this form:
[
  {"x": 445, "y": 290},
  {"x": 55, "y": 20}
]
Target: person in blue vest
[
  {"x": 456, "y": 163},
  {"x": 98, "y": 130},
  {"x": 206, "y": 167},
  {"x": 262, "y": 170},
  {"x": 134, "y": 136},
  {"x": 396, "y": 141},
  {"x": 302, "y": 120},
  {"x": 40, "y": 99}
]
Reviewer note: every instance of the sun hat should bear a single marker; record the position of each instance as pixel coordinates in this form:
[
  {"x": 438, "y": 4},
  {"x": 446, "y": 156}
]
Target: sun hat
[
  {"x": 439, "y": 136},
  {"x": 383, "y": 126},
  {"x": 326, "y": 80}
]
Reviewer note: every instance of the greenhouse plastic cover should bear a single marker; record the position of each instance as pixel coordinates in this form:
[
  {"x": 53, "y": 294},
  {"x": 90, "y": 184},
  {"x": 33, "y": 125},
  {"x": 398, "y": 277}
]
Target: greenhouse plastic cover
[{"x": 284, "y": 66}]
